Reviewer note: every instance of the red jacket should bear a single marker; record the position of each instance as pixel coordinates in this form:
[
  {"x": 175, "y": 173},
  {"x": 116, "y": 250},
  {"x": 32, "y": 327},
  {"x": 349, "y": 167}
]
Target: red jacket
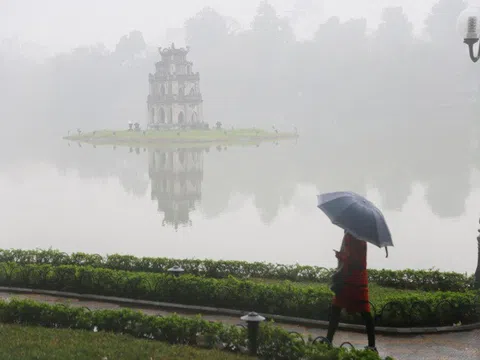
[{"x": 352, "y": 257}]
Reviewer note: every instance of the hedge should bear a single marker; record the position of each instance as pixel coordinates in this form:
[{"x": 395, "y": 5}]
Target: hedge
[
  {"x": 273, "y": 342},
  {"x": 428, "y": 309},
  {"x": 429, "y": 280}
]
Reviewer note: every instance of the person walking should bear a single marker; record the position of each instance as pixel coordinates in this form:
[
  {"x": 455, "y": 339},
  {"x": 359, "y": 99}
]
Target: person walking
[
  {"x": 362, "y": 223},
  {"x": 350, "y": 286}
]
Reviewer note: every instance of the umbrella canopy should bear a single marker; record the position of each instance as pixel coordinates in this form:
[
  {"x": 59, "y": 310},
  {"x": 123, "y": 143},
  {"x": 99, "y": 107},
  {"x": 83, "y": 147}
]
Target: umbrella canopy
[{"x": 356, "y": 215}]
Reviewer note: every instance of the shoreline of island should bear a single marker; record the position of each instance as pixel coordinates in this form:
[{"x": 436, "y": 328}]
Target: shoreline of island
[{"x": 188, "y": 137}]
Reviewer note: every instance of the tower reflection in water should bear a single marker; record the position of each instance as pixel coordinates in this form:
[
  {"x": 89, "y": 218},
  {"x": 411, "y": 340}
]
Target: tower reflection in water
[{"x": 176, "y": 181}]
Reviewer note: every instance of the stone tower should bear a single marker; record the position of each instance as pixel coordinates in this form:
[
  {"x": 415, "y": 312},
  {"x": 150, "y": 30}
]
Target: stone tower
[
  {"x": 174, "y": 98},
  {"x": 176, "y": 178}
]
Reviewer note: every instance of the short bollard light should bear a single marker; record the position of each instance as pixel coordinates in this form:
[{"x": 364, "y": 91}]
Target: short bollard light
[
  {"x": 253, "y": 321},
  {"x": 176, "y": 270}
]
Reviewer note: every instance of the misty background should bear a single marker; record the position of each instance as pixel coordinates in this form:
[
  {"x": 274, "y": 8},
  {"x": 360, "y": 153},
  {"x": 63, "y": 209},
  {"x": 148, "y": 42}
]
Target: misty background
[
  {"x": 383, "y": 94},
  {"x": 67, "y": 64}
]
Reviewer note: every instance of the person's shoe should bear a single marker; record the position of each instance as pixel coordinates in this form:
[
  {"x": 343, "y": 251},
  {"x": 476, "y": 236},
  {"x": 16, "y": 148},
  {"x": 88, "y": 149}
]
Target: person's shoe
[{"x": 371, "y": 348}]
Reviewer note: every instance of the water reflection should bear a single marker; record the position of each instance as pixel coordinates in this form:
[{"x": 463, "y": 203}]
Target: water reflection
[
  {"x": 251, "y": 203},
  {"x": 176, "y": 183},
  {"x": 271, "y": 172}
]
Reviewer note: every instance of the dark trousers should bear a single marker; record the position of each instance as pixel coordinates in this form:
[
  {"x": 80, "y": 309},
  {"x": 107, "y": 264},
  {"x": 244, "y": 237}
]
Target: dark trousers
[{"x": 335, "y": 320}]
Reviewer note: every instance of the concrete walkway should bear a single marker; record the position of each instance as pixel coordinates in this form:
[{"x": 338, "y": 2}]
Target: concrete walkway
[{"x": 451, "y": 346}]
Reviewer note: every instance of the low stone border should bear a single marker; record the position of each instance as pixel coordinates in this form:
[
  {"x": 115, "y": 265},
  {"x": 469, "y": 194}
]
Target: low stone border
[{"x": 237, "y": 313}]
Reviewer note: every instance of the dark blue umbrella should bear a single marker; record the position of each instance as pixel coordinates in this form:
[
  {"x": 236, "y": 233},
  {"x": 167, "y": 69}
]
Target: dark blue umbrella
[{"x": 356, "y": 215}]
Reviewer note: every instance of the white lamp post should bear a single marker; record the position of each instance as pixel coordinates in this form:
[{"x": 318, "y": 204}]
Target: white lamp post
[{"x": 468, "y": 27}]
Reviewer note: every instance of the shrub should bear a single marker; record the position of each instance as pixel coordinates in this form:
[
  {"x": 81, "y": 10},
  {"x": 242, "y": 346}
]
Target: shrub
[
  {"x": 274, "y": 342},
  {"x": 429, "y": 280},
  {"x": 439, "y": 308}
]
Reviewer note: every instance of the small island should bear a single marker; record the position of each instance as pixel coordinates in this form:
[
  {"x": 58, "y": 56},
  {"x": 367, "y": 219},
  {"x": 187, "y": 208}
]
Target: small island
[
  {"x": 179, "y": 137},
  {"x": 175, "y": 113}
]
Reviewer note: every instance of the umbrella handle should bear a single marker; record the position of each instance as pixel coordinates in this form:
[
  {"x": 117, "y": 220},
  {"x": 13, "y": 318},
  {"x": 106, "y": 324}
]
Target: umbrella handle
[
  {"x": 340, "y": 255},
  {"x": 386, "y": 251}
]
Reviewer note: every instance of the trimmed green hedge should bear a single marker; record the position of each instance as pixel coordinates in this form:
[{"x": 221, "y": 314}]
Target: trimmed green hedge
[
  {"x": 404, "y": 310},
  {"x": 274, "y": 342},
  {"x": 429, "y": 280}
]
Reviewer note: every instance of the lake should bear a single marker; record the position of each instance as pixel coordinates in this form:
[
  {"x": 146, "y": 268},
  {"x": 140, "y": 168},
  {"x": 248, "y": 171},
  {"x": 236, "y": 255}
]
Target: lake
[{"x": 249, "y": 203}]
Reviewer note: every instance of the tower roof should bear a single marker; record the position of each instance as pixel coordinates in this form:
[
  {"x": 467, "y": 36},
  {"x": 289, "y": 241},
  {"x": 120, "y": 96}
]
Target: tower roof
[{"x": 172, "y": 50}]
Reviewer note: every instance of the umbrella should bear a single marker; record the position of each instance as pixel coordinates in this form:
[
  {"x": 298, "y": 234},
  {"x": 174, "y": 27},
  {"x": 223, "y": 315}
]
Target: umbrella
[{"x": 356, "y": 215}]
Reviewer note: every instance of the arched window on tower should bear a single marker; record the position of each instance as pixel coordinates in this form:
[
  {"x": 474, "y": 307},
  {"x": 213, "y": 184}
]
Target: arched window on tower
[
  {"x": 181, "y": 118},
  {"x": 152, "y": 115},
  {"x": 162, "y": 116}
]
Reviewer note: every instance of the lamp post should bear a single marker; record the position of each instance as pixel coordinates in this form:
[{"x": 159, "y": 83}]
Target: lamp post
[
  {"x": 467, "y": 26},
  {"x": 253, "y": 321},
  {"x": 476, "y": 284},
  {"x": 176, "y": 270}
]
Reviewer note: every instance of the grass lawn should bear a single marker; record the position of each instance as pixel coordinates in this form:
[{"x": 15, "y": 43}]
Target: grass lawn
[{"x": 25, "y": 343}]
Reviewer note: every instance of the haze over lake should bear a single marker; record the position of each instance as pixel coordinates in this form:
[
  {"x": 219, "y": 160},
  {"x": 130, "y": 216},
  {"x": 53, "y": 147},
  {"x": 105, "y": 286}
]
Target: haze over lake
[
  {"x": 384, "y": 97},
  {"x": 247, "y": 203}
]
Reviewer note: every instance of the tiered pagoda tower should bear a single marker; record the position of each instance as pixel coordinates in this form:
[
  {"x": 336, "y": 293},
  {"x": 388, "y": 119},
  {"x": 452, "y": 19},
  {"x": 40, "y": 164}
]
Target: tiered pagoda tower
[
  {"x": 174, "y": 98},
  {"x": 176, "y": 178}
]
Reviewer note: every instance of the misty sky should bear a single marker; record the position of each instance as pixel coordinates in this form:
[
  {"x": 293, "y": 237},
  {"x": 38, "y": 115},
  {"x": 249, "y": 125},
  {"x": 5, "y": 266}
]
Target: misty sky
[{"x": 60, "y": 25}]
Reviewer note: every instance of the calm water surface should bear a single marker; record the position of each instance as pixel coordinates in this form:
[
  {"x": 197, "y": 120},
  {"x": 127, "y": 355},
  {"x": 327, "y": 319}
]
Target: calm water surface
[{"x": 246, "y": 203}]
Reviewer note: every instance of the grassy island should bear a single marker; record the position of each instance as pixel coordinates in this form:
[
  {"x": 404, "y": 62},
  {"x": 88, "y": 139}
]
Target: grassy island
[{"x": 190, "y": 137}]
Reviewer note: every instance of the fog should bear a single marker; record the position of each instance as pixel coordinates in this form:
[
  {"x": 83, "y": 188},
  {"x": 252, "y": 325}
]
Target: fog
[
  {"x": 60, "y": 25},
  {"x": 383, "y": 94},
  {"x": 362, "y": 61}
]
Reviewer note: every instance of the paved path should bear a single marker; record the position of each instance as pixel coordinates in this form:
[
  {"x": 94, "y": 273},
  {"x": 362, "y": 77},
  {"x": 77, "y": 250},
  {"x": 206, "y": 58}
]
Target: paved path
[{"x": 452, "y": 346}]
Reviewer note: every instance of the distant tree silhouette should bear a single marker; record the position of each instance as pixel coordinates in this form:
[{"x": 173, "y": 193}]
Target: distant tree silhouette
[{"x": 130, "y": 45}]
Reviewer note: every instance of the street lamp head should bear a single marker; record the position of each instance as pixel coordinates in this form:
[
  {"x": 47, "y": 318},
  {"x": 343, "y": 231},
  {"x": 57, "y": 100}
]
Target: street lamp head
[{"x": 468, "y": 24}]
